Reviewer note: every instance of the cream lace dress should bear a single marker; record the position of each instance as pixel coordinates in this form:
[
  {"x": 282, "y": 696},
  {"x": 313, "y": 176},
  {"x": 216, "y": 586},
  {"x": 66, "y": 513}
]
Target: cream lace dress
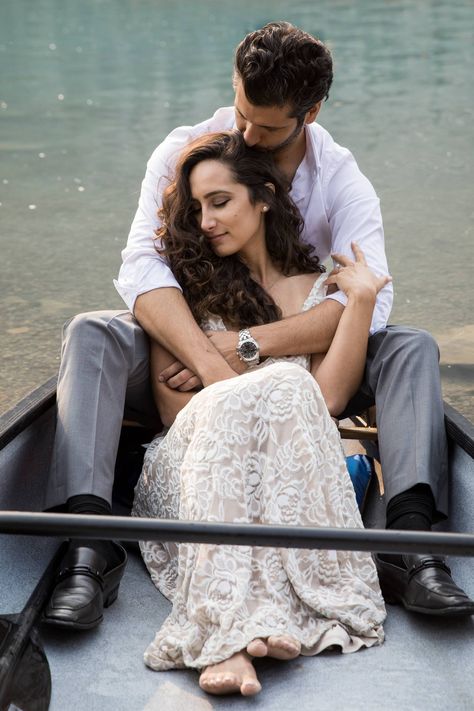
[{"x": 259, "y": 448}]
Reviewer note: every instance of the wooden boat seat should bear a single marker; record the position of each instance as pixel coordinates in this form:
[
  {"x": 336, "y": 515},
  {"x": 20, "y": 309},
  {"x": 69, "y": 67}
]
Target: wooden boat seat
[
  {"x": 363, "y": 428},
  {"x": 359, "y": 428}
]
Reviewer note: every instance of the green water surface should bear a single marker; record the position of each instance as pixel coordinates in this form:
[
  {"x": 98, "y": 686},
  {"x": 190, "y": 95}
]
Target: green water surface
[{"x": 88, "y": 89}]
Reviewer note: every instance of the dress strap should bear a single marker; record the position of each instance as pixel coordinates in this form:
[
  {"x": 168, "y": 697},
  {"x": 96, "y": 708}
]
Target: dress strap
[{"x": 317, "y": 293}]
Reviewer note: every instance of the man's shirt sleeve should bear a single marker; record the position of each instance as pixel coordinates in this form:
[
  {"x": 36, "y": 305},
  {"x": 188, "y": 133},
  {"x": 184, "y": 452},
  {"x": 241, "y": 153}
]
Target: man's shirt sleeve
[
  {"x": 353, "y": 211},
  {"x": 142, "y": 267}
]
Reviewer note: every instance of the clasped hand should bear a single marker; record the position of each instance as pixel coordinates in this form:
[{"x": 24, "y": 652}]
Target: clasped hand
[{"x": 178, "y": 377}]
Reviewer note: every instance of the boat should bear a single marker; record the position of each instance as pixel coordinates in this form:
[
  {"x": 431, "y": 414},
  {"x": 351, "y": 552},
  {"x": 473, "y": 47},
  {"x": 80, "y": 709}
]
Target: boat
[{"x": 423, "y": 664}]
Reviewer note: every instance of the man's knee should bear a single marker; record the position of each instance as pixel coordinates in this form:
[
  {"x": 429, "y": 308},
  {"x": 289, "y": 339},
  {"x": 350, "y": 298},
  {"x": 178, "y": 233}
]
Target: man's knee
[
  {"x": 411, "y": 343},
  {"x": 81, "y": 324},
  {"x": 90, "y": 329}
]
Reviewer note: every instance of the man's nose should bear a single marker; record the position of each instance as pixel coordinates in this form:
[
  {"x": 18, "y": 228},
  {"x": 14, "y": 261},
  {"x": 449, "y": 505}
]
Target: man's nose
[{"x": 250, "y": 134}]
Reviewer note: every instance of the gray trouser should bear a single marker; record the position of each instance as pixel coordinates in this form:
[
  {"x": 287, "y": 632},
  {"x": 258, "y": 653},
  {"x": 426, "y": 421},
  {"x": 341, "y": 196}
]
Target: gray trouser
[
  {"x": 104, "y": 373},
  {"x": 103, "y": 376}
]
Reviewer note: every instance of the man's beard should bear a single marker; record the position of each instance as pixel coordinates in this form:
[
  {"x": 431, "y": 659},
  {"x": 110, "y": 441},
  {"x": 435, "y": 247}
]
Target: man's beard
[{"x": 274, "y": 150}]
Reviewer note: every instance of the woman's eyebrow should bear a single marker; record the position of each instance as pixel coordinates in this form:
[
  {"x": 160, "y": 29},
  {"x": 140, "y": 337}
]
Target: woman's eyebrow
[{"x": 217, "y": 192}]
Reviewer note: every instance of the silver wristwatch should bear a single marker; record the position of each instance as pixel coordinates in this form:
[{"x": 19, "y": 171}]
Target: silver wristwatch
[{"x": 247, "y": 348}]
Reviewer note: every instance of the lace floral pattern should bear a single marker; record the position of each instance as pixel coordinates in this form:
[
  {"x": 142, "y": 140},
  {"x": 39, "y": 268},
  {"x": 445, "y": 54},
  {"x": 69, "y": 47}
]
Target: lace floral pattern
[{"x": 260, "y": 448}]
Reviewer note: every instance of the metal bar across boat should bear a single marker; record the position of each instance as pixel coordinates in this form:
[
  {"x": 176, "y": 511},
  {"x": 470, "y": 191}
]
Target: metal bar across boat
[{"x": 242, "y": 534}]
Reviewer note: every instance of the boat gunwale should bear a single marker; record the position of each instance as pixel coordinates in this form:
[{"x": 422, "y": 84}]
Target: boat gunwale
[
  {"x": 35, "y": 403},
  {"x": 26, "y": 411}
]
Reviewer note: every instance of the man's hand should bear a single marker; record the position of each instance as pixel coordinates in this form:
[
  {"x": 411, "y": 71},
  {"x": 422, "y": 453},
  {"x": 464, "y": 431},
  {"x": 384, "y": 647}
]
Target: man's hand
[{"x": 226, "y": 343}]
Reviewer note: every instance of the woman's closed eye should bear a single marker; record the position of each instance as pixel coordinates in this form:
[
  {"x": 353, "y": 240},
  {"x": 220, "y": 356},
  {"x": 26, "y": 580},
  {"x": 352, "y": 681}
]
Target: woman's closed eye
[{"x": 221, "y": 203}]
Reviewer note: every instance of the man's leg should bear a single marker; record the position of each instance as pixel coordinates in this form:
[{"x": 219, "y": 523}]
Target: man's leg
[
  {"x": 104, "y": 368},
  {"x": 402, "y": 378}
]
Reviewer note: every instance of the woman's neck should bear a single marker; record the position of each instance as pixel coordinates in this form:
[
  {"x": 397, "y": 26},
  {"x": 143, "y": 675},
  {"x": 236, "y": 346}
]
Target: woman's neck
[
  {"x": 264, "y": 271},
  {"x": 262, "y": 268}
]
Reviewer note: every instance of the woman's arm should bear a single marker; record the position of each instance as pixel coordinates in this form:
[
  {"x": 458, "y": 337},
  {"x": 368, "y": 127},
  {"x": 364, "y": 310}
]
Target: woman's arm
[
  {"x": 168, "y": 401},
  {"x": 340, "y": 372},
  {"x": 166, "y": 317}
]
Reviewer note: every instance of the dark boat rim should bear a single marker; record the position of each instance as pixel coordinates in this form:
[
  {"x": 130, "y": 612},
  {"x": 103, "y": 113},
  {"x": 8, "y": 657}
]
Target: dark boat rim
[
  {"x": 30, "y": 408},
  {"x": 40, "y": 401},
  {"x": 27, "y": 410}
]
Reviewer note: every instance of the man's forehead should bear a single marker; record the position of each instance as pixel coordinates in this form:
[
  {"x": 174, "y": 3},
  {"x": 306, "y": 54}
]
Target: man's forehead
[{"x": 263, "y": 116}]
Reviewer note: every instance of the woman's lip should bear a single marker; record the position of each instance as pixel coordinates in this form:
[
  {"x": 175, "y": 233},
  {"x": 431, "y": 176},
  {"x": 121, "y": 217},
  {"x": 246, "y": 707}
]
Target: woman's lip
[{"x": 213, "y": 237}]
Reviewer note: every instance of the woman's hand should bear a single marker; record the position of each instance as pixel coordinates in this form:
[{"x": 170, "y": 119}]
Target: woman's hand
[{"x": 355, "y": 278}]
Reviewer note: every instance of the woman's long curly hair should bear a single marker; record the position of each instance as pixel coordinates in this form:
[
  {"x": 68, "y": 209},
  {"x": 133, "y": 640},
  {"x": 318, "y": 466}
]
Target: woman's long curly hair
[{"x": 223, "y": 286}]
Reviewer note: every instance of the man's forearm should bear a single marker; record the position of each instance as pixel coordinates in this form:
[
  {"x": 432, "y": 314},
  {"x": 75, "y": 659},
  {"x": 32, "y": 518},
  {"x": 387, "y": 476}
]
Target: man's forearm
[
  {"x": 308, "y": 332},
  {"x": 165, "y": 316}
]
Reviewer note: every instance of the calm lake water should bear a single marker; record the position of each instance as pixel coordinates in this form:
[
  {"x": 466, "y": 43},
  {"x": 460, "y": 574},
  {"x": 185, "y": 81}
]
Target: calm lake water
[{"x": 88, "y": 89}]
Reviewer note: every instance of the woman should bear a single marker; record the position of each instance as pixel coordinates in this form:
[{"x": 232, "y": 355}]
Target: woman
[{"x": 260, "y": 447}]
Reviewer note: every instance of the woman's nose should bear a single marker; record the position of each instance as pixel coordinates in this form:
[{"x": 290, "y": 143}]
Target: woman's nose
[{"x": 208, "y": 221}]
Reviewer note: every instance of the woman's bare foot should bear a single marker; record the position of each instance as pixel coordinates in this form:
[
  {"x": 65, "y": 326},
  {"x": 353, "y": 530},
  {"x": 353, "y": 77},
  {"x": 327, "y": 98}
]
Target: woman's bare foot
[
  {"x": 233, "y": 676},
  {"x": 277, "y": 646}
]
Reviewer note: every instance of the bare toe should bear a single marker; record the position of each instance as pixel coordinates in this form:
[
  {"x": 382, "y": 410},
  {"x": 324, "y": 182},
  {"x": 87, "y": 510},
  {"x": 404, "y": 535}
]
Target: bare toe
[
  {"x": 232, "y": 676},
  {"x": 250, "y": 687},
  {"x": 257, "y": 648},
  {"x": 215, "y": 683},
  {"x": 283, "y": 647}
]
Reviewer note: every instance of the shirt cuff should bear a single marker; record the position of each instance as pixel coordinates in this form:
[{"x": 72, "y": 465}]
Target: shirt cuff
[
  {"x": 338, "y": 296},
  {"x": 130, "y": 294}
]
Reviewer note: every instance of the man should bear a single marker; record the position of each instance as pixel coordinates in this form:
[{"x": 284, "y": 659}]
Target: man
[{"x": 281, "y": 77}]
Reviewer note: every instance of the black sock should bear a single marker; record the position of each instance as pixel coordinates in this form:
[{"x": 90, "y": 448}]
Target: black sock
[
  {"x": 95, "y": 506},
  {"x": 89, "y": 504},
  {"x": 412, "y": 510}
]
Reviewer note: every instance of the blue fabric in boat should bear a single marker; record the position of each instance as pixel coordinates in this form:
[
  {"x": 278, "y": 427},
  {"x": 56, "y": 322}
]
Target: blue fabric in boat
[{"x": 360, "y": 470}]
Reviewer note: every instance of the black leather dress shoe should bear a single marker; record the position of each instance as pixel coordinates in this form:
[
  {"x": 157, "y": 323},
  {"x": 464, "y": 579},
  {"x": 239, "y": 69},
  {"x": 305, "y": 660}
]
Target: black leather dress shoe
[
  {"x": 84, "y": 587},
  {"x": 424, "y": 586}
]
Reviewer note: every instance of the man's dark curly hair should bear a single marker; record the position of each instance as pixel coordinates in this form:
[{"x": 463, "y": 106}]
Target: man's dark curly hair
[
  {"x": 223, "y": 286},
  {"x": 280, "y": 64}
]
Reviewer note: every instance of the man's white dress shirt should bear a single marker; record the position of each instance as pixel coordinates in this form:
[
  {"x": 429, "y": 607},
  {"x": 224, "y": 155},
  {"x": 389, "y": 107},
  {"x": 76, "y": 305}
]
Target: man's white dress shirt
[{"x": 337, "y": 202}]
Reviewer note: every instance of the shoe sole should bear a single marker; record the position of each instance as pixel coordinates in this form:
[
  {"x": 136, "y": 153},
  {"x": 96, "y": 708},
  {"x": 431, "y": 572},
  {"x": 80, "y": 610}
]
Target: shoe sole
[
  {"x": 433, "y": 612},
  {"x": 67, "y": 624},
  {"x": 394, "y": 596}
]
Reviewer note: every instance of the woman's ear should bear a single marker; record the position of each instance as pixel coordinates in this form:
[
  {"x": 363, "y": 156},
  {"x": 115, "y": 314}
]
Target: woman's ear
[{"x": 271, "y": 187}]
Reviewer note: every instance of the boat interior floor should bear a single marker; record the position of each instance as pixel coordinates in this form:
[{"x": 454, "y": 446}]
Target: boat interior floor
[{"x": 423, "y": 664}]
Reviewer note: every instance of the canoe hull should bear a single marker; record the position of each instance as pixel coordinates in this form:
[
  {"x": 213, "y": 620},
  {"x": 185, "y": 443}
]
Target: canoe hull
[{"x": 421, "y": 666}]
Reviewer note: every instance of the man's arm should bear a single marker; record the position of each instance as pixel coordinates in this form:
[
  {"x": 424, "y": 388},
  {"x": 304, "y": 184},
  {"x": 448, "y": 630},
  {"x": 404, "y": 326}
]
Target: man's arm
[
  {"x": 308, "y": 332},
  {"x": 165, "y": 316},
  {"x": 168, "y": 401}
]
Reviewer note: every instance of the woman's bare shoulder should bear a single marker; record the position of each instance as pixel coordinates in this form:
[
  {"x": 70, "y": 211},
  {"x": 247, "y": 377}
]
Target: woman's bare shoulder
[
  {"x": 301, "y": 284},
  {"x": 294, "y": 291}
]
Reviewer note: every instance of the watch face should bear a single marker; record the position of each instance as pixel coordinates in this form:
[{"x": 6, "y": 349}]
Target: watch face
[{"x": 248, "y": 350}]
